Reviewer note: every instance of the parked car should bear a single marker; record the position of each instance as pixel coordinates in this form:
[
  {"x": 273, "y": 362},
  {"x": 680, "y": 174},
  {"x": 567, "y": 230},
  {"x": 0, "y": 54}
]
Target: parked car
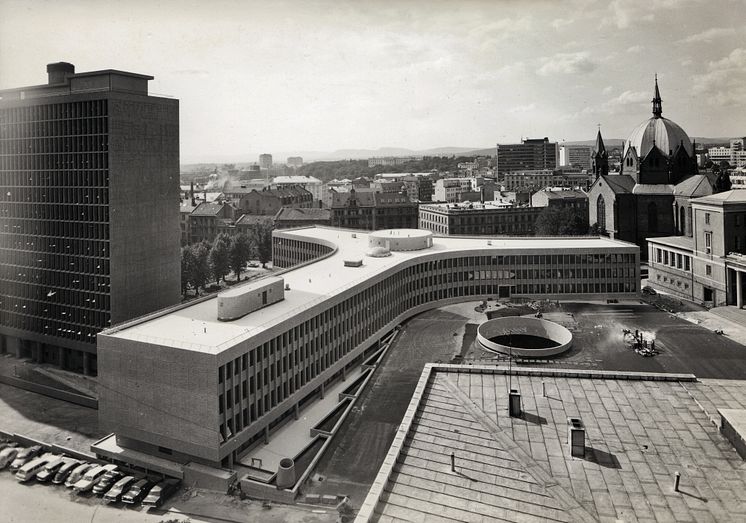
[
  {"x": 78, "y": 473},
  {"x": 91, "y": 478},
  {"x": 106, "y": 482},
  {"x": 50, "y": 469},
  {"x": 24, "y": 456},
  {"x": 7, "y": 455},
  {"x": 160, "y": 493},
  {"x": 116, "y": 492},
  {"x": 65, "y": 470},
  {"x": 137, "y": 492},
  {"x": 31, "y": 468},
  {"x": 7, "y": 444}
]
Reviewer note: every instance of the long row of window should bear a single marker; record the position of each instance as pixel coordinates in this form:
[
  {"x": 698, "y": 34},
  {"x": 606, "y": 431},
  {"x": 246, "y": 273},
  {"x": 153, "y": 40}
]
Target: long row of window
[
  {"x": 50, "y": 245},
  {"x": 289, "y": 253},
  {"x": 265, "y": 375},
  {"x": 55, "y": 279},
  {"x": 77, "y": 196},
  {"x": 59, "y": 111},
  {"x": 67, "y": 229},
  {"x": 56, "y": 179},
  {"x": 31, "y": 161},
  {"x": 79, "y": 212},
  {"x": 54, "y": 326},
  {"x": 44, "y": 143},
  {"x": 673, "y": 259}
]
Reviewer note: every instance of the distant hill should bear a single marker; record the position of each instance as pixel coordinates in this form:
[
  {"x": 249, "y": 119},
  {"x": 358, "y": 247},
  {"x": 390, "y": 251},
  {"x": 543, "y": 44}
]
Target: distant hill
[{"x": 364, "y": 154}]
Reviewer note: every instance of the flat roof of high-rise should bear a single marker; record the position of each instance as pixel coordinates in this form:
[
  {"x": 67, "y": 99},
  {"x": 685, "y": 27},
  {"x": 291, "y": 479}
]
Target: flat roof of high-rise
[{"x": 196, "y": 326}]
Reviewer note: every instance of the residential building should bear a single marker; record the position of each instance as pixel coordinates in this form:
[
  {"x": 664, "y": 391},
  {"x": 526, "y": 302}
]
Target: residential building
[
  {"x": 529, "y": 155},
  {"x": 368, "y": 210},
  {"x": 234, "y": 191},
  {"x": 536, "y": 180},
  {"x": 294, "y": 161},
  {"x": 185, "y": 211},
  {"x": 265, "y": 161},
  {"x": 419, "y": 186},
  {"x": 576, "y": 156},
  {"x": 561, "y": 198},
  {"x": 448, "y": 189},
  {"x": 707, "y": 264},
  {"x": 210, "y": 219},
  {"x": 239, "y": 367},
  {"x": 474, "y": 218},
  {"x": 735, "y": 155},
  {"x": 309, "y": 183},
  {"x": 89, "y": 211},
  {"x": 292, "y": 217},
  {"x": 269, "y": 201}
]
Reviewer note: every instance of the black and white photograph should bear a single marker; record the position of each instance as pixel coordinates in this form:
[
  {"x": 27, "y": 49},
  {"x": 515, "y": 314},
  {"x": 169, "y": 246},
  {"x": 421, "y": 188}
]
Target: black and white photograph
[{"x": 336, "y": 261}]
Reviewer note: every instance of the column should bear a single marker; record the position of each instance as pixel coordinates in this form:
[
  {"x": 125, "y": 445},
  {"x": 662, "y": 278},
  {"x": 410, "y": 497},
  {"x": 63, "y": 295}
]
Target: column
[
  {"x": 322, "y": 391},
  {"x": 86, "y": 364},
  {"x": 739, "y": 291},
  {"x": 296, "y": 411}
]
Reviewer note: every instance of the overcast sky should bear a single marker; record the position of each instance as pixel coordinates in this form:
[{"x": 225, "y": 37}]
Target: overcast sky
[{"x": 291, "y": 76}]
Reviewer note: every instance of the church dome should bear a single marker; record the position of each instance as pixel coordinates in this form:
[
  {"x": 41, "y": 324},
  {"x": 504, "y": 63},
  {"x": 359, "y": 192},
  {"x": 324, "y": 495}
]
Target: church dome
[{"x": 661, "y": 132}]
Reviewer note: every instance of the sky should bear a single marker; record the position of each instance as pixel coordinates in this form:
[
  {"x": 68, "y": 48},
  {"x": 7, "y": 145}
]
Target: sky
[{"x": 300, "y": 76}]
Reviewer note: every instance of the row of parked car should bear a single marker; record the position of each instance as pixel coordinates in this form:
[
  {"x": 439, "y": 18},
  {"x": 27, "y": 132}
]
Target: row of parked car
[{"x": 103, "y": 480}]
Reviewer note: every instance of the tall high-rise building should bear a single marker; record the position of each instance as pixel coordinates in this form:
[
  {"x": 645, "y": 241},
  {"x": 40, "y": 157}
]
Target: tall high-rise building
[
  {"x": 576, "y": 156},
  {"x": 529, "y": 155},
  {"x": 265, "y": 161},
  {"x": 89, "y": 211}
]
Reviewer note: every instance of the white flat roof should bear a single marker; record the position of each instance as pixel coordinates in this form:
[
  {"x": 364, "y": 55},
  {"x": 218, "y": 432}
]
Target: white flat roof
[{"x": 196, "y": 327}]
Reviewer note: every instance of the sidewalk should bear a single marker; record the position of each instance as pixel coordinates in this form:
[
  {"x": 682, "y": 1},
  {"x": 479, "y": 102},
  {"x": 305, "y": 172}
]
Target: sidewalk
[{"x": 731, "y": 320}]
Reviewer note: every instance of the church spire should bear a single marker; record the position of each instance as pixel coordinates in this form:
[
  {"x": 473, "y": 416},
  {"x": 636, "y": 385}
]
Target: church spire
[
  {"x": 657, "y": 102},
  {"x": 601, "y": 157},
  {"x": 600, "y": 147}
]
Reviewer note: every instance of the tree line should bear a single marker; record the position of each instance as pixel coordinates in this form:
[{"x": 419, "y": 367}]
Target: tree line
[
  {"x": 349, "y": 169},
  {"x": 204, "y": 262}
]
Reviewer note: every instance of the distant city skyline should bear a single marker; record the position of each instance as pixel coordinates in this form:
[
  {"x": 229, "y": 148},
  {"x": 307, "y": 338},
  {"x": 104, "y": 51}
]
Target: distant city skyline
[{"x": 292, "y": 77}]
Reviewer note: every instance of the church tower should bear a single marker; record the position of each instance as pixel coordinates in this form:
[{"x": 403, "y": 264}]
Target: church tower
[
  {"x": 600, "y": 157},
  {"x": 657, "y": 102}
]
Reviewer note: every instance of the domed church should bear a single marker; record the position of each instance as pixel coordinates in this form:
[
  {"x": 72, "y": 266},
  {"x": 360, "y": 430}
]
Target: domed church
[{"x": 650, "y": 195}]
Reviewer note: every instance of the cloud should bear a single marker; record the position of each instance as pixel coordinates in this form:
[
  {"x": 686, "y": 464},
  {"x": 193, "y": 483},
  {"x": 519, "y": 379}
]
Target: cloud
[
  {"x": 567, "y": 63},
  {"x": 559, "y": 23},
  {"x": 607, "y": 89},
  {"x": 630, "y": 12},
  {"x": 522, "y": 108},
  {"x": 724, "y": 83},
  {"x": 635, "y": 49},
  {"x": 709, "y": 35}
]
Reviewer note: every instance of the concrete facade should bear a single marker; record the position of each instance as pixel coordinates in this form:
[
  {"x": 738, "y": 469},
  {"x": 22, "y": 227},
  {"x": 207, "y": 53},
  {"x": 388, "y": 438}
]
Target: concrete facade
[
  {"x": 97, "y": 201},
  {"x": 223, "y": 386}
]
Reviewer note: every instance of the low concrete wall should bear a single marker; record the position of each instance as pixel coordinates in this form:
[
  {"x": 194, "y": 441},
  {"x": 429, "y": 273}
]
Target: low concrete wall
[
  {"x": 201, "y": 476},
  {"x": 51, "y": 392},
  {"x": 528, "y": 326}
]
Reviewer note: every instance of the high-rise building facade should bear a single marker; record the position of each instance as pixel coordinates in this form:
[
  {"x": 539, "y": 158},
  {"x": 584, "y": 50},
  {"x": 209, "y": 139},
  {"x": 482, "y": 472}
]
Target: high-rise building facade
[
  {"x": 529, "y": 155},
  {"x": 265, "y": 161},
  {"x": 89, "y": 211},
  {"x": 576, "y": 156}
]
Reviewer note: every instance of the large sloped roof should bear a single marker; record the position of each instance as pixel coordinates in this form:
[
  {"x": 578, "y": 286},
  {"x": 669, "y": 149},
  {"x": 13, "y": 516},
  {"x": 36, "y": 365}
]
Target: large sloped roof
[
  {"x": 619, "y": 183},
  {"x": 662, "y": 133},
  {"x": 696, "y": 185}
]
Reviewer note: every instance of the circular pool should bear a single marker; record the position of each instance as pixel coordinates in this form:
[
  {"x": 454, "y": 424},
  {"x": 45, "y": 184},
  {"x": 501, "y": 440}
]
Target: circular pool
[{"x": 524, "y": 336}]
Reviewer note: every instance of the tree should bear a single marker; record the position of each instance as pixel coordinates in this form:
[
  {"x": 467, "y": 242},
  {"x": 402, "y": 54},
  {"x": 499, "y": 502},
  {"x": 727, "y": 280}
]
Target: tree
[
  {"x": 261, "y": 241},
  {"x": 201, "y": 266},
  {"x": 220, "y": 257},
  {"x": 553, "y": 221},
  {"x": 240, "y": 253},
  {"x": 596, "y": 230},
  {"x": 187, "y": 268}
]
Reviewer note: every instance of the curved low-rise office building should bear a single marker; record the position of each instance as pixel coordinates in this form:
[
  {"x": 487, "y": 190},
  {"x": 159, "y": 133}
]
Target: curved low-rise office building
[{"x": 190, "y": 384}]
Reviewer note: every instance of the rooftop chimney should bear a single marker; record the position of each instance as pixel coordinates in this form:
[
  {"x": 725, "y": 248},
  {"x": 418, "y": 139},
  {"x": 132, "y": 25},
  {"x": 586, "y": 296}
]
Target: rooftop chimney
[
  {"x": 576, "y": 437},
  {"x": 59, "y": 72}
]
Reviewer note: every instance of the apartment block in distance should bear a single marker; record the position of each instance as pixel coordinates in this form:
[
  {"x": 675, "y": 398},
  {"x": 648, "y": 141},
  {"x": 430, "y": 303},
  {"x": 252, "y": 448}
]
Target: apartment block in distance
[
  {"x": 89, "y": 211},
  {"x": 529, "y": 155}
]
